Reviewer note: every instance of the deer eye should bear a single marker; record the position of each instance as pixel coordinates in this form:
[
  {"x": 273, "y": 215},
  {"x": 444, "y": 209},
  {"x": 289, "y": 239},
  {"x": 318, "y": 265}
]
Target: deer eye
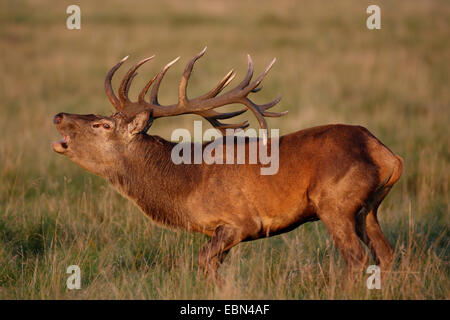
[
  {"x": 96, "y": 125},
  {"x": 106, "y": 126}
]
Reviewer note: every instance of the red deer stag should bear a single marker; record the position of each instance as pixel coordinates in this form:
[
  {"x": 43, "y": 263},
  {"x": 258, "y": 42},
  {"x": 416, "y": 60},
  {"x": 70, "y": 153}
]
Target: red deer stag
[{"x": 338, "y": 174}]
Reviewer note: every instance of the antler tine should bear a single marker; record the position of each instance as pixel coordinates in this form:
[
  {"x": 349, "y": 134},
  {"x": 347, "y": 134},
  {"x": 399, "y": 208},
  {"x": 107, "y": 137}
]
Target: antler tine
[
  {"x": 129, "y": 83},
  {"x": 274, "y": 114},
  {"x": 249, "y": 74},
  {"x": 126, "y": 81},
  {"x": 260, "y": 110},
  {"x": 141, "y": 98},
  {"x": 223, "y": 126},
  {"x": 108, "y": 86},
  {"x": 227, "y": 115},
  {"x": 159, "y": 76},
  {"x": 264, "y": 107},
  {"x": 256, "y": 111},
  {"x": 260, "y": 78},
  {"x": 220, "y": 86},
  {"x": 212, "y": 117},
  {"x": 259, "y": 116},
  {"x": 182, "y": 94}
]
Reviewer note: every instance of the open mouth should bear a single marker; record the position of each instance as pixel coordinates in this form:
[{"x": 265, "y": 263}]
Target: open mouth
[{"x": 61, "y": 146}]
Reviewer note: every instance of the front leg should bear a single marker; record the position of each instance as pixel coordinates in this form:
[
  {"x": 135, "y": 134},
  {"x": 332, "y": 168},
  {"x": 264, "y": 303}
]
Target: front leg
[{"x": 213, "y": 253}]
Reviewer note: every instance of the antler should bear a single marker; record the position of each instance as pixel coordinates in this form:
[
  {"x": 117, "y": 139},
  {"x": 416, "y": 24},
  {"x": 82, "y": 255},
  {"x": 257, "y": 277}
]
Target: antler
[{"x": 202, "y": 105}]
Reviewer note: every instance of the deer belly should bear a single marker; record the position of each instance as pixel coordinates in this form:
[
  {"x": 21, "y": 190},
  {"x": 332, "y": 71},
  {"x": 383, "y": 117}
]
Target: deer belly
[{"x": 273, "y": 224}]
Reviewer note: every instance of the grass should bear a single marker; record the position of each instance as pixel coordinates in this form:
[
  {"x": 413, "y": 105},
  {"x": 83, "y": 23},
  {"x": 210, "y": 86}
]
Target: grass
[{"x": 330, "y": 69}]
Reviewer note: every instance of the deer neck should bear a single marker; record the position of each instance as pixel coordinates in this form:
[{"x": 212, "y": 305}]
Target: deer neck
[{"x": 148, "y": 176}]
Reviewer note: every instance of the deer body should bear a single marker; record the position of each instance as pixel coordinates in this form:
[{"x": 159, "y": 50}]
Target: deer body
[
  {"x": 203, "y": 197},
  {"x": 338, "y": 174}
]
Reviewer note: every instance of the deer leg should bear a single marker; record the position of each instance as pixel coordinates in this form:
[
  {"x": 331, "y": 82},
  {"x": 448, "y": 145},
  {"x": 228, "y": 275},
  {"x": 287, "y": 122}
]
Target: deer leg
[
  {"x": 213, "y": 253},
  {"x": 384, "y": 254},
  {"x": 361, "y": 231},
  {"x": 342, "y": 230},
  {"x": 369, "y": 231}
]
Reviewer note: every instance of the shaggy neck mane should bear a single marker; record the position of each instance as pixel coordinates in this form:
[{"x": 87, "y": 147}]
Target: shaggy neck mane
[{"x": 150, "y": 178}]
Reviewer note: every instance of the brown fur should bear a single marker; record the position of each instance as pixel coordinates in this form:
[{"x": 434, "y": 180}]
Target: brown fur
[{"x": 338, "y": 174}]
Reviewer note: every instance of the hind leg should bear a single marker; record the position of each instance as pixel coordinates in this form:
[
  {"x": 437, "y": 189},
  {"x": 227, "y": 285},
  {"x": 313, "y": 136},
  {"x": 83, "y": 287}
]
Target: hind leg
[
  {"x": 369, "y": 231},
  {"x": 383, "y": 252},
  {"x": 341, "y": 226},
  {"x": 368, "y": 227},
  {"x": 374, "y": 238}
]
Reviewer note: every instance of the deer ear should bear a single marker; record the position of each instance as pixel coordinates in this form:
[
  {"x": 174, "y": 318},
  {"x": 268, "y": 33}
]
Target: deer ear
[{"x": 139, "y": 123}]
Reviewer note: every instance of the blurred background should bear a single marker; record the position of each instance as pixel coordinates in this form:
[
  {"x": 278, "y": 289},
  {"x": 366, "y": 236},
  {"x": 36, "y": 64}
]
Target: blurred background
[{"x": 330, "y": 69}]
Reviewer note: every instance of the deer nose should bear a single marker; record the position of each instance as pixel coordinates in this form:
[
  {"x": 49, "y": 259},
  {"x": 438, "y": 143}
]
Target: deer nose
[{"x": 58, "y": 118}]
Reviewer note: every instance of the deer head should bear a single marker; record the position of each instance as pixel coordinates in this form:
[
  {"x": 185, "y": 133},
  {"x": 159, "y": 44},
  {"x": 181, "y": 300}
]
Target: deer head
[{"x": 97, "y": 143}]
